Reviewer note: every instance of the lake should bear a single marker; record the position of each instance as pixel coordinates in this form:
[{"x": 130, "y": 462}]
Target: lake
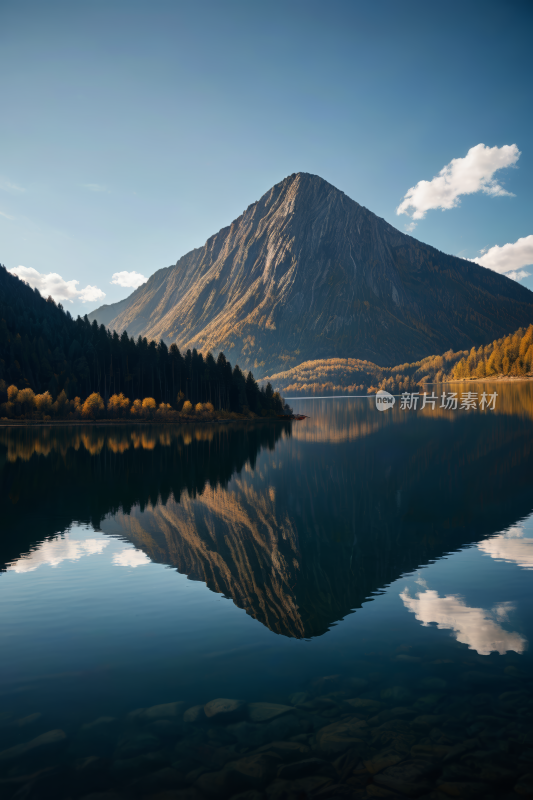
[{"x": 339, "y": 607}]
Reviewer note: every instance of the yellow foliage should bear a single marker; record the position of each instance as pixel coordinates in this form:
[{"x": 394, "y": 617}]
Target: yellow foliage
[
  {"x": 93, "y": 406},
  {"x": 26, "y": 399},
  {"x": 118, "y": 405},
  {"x": 136, "y": 408},
  {"x": 148, "y": 407},
  {"x": 43, "y": 403}
]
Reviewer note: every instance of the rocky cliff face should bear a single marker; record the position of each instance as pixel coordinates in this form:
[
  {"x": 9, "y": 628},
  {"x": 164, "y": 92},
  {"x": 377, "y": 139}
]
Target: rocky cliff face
[{"x": 308, "y": 273}]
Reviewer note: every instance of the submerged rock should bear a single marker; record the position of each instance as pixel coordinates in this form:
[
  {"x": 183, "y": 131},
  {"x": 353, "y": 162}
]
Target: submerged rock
[
  {"x": 382, "y": 761},
  {"x": 223, "y": 708},
  {"x": 29, "y": 720},
  {"x": 136, "y": 744},
  {"x": 365, "y": 707},
  {"x": 253, "y": 771},
  {"x": 462, "y": 748},
  {"x": 462, "y": 789},
  {"x": 407, "y": 778},
  {"x": 524, "y": 785},
  {"x": 262, "y": 712},
  {"x": 299, "y": 697},
  {"x": 134, "y": 767},
  {"x": 304, "y": 787},
  {"x": 437, "y": 684},
  {"x": 399, "y": 741},
  {"x": 46, "y": 741},
  {"x": 96, "y": 738},
  {"x": 286, "y": 751},
  {"x": 309, "y": 766},
  {"x": 398, "y": 694},
  {"x": 339, "y": 736},
  {"x": 170, "y": 711},
  {"x": 428, "y": 720},
  {"x": 194, "y": 714},
  {"x": 428, "y": 701},
  {"x": 255, "y": 734},
  {"x": 181, "y": 794},
  {"x": 357, "y": 684},
  {"x": 217, "y": 784},
  {"x": 166, "y": 728},
  {"x": 88, "y": 764},
  {"x": 401, "y": 712},
  {"x": 165, "y": 778}
]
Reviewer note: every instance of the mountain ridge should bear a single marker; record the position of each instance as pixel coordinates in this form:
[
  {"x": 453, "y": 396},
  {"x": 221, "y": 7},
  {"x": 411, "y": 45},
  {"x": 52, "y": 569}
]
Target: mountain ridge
[{"x": 305, "y": 273}]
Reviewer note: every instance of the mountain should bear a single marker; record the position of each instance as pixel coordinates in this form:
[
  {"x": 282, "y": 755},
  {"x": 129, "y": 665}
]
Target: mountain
[{"x": 307, "y": 273}]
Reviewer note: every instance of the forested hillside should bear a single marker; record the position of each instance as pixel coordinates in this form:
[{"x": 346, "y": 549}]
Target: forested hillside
[
  {"x": 44, "y": 351},
  {"x": 511, "y": 356}
]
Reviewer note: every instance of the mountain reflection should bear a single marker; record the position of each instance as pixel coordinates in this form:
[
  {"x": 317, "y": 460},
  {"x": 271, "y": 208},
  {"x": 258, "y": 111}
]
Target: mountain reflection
[
  {"x": 297, "y": 530},
  {"x": 52, "y": 477}
]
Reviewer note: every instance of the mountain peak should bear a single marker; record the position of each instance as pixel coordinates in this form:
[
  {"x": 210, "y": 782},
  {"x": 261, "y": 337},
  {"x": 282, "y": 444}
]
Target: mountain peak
[{"x": 307, "y": 273}]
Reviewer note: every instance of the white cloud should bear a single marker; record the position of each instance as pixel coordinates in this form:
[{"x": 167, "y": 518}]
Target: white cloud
[
  {"x": 54, "y": 551},
  {"x": 468, "y": 175},
  {"x": 129, "y": 280},
  {"x": 56, "y": 286},
  {"x": 95, "y": 187},
  {"x": 7, "y": 216},
  {"x": 509, "y": 259},
  {"x": 131, "y": 558},
  {"x": 476, "y": 627},
  {"x": 512, "y": 547}
]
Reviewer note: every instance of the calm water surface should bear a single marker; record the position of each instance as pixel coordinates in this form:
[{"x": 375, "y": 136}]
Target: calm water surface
[{"x": 358, "y": 584}]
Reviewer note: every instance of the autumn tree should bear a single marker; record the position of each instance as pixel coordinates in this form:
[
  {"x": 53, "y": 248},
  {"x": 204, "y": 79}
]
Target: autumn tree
[
  {"x": 148, "y": 407},
  {"x": 93, "y": 407},
  {"x": 136, "y": 408},
  {"x": 118, "y": 405},
  {"x": 26, "y": 398},
  {"x": 43, "y": 404}
]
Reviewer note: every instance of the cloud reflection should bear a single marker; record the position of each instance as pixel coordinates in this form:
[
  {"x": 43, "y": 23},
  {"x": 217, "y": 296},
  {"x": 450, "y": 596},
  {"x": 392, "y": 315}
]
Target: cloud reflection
[
  {"x": 130, "y": 558},
  {"x": 476, "y": 627},
  {"x": 511, "y": 547},
  {"x": 54, "y": 551}
]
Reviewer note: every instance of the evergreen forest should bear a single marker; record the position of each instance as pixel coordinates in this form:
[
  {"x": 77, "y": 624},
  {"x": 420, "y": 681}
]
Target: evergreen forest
[{"x": 54, "y": 365}]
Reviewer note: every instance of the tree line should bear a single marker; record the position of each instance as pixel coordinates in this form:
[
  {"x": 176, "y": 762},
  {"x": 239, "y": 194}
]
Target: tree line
[
  {"x": 61, "y": 362},
  {"x": 511, "y": 355}
]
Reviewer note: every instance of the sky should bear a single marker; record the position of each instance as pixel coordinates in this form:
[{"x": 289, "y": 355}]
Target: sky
[{"x": 132, "y": 131}]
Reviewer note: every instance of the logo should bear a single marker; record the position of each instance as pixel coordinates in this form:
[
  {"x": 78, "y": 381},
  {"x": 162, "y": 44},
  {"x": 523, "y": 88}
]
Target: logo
[{"x": 384, "y": 400}]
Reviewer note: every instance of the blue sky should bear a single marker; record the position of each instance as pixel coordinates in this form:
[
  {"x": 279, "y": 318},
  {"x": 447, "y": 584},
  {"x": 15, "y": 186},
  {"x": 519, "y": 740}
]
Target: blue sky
[{"x": 132, "y": 131}]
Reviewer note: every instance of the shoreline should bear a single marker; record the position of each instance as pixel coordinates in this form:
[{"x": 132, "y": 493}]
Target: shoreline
[
  {"x": 59, "y": 423},
  {"x": 502, "y": 379}
]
